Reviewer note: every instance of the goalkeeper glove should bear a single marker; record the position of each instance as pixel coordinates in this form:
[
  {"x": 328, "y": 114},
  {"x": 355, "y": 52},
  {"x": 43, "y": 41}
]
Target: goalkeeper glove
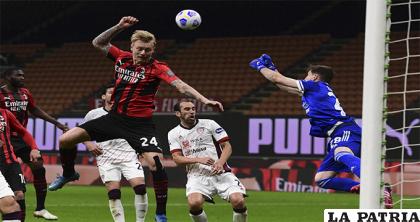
[
  {"x": 268, "y": 62},
  {"x": 257, "y": 64}
]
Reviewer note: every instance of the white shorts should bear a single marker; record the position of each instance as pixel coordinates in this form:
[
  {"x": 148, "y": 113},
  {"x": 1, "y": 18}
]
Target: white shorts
[
  {"x": 223, "y": 185},
  {"x": 113, "y": 171},
  {"x": 5, "y": 188}
]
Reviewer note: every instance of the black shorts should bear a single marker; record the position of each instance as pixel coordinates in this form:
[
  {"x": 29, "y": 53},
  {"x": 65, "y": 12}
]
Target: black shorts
[
  {"x": 14, "y": 176},
  {"x": 21, "y": 149},
  {"x": 140, "y": 133}
]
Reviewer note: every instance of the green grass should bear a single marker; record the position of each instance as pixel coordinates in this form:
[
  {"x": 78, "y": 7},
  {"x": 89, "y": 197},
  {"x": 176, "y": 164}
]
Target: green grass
[{"x": 90, "y": 204}]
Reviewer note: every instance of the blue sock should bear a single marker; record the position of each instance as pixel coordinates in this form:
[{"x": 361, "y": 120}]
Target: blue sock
[
  {"x": 336, "y": 183},
  {"x": 350, "y": 160}
]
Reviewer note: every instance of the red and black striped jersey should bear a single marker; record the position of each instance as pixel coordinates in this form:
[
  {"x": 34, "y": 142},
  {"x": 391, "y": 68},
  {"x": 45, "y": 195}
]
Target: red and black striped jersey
[
  {"x": 19, "y": 103},
  {"x": 9, "y": 122},
  {"x": 136, "y": 85}
]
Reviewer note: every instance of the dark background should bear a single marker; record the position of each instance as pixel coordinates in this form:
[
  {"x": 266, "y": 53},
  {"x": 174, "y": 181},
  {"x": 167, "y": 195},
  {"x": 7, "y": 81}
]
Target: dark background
[{"x": 55, "y": 22}]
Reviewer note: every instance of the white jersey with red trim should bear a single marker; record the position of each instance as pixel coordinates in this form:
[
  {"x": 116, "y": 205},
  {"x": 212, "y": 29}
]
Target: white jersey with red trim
[
  {"x": 113, "y": 151},
  {"x": 202, "y": 140}
]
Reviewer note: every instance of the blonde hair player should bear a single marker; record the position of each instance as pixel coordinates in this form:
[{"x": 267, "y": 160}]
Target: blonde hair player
[{"x": 137, "y": 78}]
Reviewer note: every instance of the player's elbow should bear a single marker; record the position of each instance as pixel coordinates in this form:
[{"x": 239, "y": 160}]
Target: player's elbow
[
  {"x": 177, "y": 160},
  {"x": 97, "y": 44}
]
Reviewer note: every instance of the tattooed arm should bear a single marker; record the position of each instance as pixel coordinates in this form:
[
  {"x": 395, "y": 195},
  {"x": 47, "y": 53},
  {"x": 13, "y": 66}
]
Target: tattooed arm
[
  {"x": 102, "y": 41},
  {"x": 189, "y": 91}
]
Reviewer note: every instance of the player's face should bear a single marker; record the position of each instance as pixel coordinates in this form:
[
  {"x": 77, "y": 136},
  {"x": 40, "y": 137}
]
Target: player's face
[
  {"x": 108, "y": 95},
  {"x": 187, "y": 113},
  {"x": 17, "y": 78},
  {"x": 142, "y": 52}
]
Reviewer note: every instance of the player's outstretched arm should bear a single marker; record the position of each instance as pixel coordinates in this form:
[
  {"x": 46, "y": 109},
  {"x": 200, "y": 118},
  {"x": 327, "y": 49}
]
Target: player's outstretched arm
[
  {"x": 189, "y": 91},
  {"x": 103, "y": 40},
  {"x": 289, "y": 89},
  {"x": 40, "y": 113},
  {"x": 182, "y": 160},
  {"x": 266, "y": 67}
]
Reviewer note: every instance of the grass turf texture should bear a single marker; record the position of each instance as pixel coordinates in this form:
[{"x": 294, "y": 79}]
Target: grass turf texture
[{"x": 90, "y": 204}]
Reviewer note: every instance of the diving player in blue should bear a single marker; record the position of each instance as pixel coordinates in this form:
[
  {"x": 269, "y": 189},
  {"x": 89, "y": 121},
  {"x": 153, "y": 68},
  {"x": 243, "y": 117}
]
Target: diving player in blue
[{"x": 327, "y": 119}]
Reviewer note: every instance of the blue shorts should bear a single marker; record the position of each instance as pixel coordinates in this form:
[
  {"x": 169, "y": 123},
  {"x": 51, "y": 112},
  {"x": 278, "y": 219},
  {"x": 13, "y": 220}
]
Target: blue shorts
[{"x": 344, "y": 136}]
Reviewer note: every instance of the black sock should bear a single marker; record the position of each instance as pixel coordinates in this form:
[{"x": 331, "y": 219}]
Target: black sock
[
  {"x": 240, "y": 211},
  {"x": 68, "y": 157},
  {"x": 12, "y": 216},
  {"x": 22, "y": 209},
  {"x": 40, "y": 185},
  {"x": 197, "y": 212},
  {"x": 160, "y": 185},
  {"x": 140, "y": 189}
]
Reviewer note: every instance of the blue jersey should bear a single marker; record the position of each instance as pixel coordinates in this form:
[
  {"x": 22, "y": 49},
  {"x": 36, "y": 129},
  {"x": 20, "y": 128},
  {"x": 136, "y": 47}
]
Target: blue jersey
[{"x": 321, "y": 106}]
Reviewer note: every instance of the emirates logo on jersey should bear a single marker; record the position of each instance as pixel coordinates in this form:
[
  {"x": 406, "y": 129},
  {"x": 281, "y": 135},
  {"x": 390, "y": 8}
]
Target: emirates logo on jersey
[
  {"x": 129, "y": 75},
  {"x": 17, "y": 105},
  {"x": 3, "y": 124}
]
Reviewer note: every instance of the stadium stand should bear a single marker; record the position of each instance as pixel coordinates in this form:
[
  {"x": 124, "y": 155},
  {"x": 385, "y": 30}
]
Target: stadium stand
[
  {"x": 216, "y": 65},
  {"x": 18, "y": 53}
]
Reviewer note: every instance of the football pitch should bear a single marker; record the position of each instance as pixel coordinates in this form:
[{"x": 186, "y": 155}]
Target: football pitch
[{"x": 90, "y": 204}]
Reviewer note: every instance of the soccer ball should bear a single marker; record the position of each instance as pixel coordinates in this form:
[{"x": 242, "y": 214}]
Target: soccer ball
[{"x": 188, "y": 19}]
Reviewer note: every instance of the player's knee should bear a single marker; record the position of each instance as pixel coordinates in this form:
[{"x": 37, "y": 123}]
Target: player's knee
[
  {"x": 114, "y": 194},
  {"x": 195, "y": 204},
  {"x": 237, "y": 201},
  {"x": 318, "y": 177},
  {"x": 64, "y": 141},
  {"x": 19, "y": 195},
  {"x": 140, "y": 189},
  {"x": 9, "y": 205}
]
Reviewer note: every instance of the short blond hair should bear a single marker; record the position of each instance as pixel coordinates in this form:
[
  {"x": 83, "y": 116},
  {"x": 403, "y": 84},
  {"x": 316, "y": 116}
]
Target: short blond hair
[{"x": 143, "y": 36}]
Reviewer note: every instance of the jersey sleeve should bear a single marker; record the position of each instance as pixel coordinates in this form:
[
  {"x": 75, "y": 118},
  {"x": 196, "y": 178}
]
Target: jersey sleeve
[
  {"x": 166, "y": 74},
  {"x": 114, "y": 53},
  {"x": 218, "y": 132},
  {"x": 16, "y": 126},
  {"x": 307, "y": 85},
  {"x": 174, "y": 145},
  {"x": 89, "y": 116}
]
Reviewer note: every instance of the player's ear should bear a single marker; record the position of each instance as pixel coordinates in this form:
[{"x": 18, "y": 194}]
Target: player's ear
[
  {"x": 103, "y": 97},
  {"x": 178, "y": 114}
]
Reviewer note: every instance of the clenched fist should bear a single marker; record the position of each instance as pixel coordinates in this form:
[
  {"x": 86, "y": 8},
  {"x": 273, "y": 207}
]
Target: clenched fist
[{"x": 127, "y": 21}]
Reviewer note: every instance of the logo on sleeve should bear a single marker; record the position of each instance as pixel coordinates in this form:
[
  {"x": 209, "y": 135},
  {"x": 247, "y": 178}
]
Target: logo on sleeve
[
  {"x": 3, "y": 124},
  {"x": 170, "y": 73},
  {"x": 219, "y": 130}
]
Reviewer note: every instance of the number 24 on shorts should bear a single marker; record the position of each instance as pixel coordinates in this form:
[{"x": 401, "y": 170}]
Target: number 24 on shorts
[{"x": 146, "y": 142}]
